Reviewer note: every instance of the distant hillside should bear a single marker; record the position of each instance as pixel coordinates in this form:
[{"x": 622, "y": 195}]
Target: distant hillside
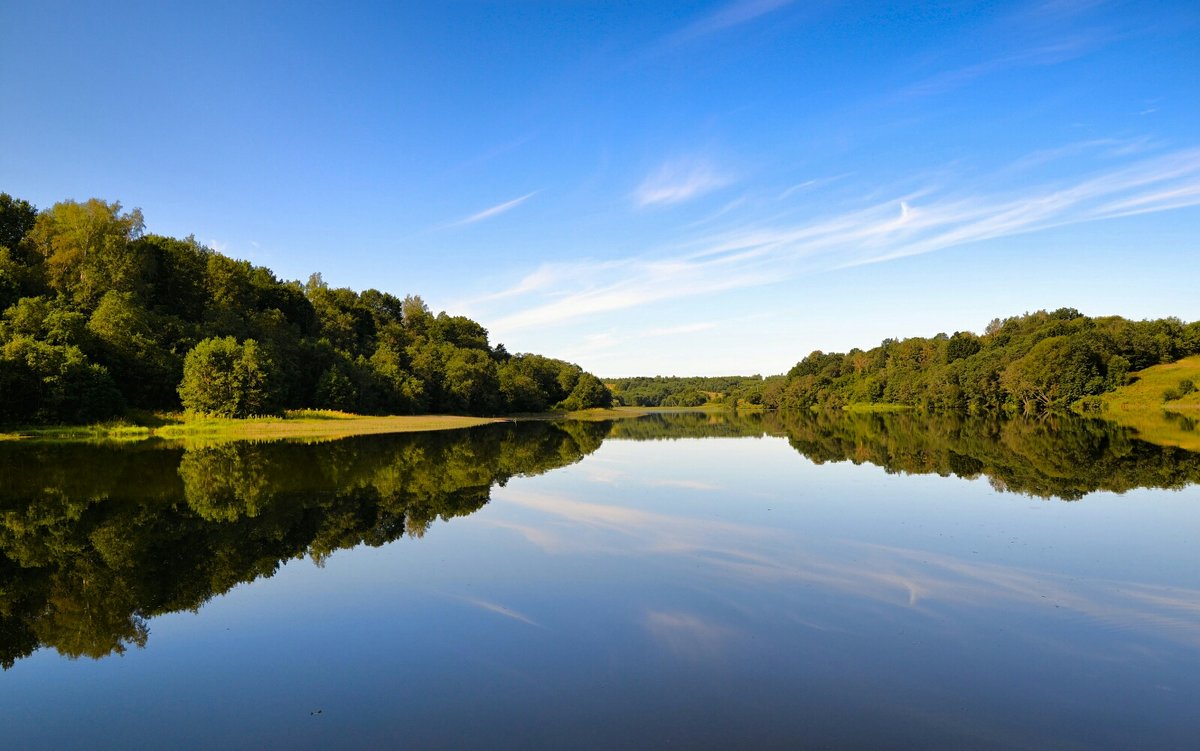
[
  {"x": 689, "y": 391},
  {"x": 1162, "y": 403},
  {"x": 1036, "y": 362}
]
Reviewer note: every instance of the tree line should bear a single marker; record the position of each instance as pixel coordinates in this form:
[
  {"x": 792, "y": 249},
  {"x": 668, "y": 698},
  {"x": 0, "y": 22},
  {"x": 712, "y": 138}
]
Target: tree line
[
  {"x": 689, "y": 391},
  {"x": 97, "y": 317},
  {"x": 1033, "y": 363}
]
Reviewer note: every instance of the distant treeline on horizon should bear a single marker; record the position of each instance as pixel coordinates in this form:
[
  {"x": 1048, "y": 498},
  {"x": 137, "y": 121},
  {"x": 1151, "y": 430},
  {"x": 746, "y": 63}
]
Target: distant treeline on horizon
[
  {"x": 98, "y": 317},
  {"x": 1032, "y": 363},
  {"x": 687, "y": 391}
]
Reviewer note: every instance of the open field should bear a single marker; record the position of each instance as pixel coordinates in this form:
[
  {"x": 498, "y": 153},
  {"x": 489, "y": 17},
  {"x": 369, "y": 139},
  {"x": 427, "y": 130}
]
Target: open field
[
  {"x": 610, "y": 413},
  {"x": 1142, "y": 405},
  {"x": 867, "y": 407},
  {"x": 303, "y": 425},
  {"x": 299, "y": 424}
]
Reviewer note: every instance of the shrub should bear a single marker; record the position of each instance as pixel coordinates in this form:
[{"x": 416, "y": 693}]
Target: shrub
[{"x": 226, "y": 379}]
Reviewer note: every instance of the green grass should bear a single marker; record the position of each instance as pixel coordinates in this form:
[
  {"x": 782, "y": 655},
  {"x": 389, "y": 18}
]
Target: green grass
[
  {"x": 114, "y": 431},
  {"x": 1141, "y": 405},
  {"x": 701, "y": 408},
  {"x": 612, "y": 413},
  {"x": 296, "y": 425},
  {"x": 872, "y": 407}
]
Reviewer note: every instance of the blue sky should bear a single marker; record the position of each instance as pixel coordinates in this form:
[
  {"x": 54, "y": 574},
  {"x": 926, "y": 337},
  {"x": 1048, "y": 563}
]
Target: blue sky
[{"x": 674, "y": 188}]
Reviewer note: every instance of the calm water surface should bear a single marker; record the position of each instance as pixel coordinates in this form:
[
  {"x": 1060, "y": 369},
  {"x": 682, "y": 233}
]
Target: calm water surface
[{"x": 686, "y": 581}]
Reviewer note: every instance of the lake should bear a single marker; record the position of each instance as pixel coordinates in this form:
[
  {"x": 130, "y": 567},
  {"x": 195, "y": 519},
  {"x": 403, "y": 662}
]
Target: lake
[{"x": 706, "y": 581}]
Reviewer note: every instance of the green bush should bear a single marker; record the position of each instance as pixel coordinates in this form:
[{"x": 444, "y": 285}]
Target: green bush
[
  {"x": 226, "y": 379},
  {"x": 46, "y": 383}
]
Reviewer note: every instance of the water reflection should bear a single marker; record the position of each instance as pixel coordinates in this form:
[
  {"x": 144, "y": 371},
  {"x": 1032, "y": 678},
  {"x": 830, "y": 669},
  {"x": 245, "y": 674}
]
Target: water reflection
[
  {"x": 700, "y": 594},
  {"x": 774, "y": 561},
  {"x": 1060, "y": 457},
  {"x": 96, "y": 539}
]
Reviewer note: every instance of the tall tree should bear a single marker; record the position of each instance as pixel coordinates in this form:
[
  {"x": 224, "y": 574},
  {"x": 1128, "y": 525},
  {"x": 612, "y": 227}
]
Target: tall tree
[{"x": 86, "y": 247}]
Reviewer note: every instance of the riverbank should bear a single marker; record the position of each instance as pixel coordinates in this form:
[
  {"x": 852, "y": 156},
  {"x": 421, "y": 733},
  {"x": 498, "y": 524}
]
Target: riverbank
[
  {"x": 1161, "y": 403},
  {"x": 293, "y": 425}
]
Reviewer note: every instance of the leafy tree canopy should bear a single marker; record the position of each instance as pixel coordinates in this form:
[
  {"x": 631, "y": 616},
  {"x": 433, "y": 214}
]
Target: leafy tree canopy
[
  {"x": 1037, "y": 362},
  {"x": 96, "y": 315}
]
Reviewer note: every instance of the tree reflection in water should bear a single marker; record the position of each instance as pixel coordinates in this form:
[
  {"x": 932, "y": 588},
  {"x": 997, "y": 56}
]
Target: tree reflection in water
[
  {"x": 1062, "y": 457},
  {"x": 96, "y": 540}
]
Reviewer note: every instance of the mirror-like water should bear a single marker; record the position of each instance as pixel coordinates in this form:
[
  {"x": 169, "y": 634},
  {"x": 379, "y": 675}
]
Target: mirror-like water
[{"x": 691, "y": 580}]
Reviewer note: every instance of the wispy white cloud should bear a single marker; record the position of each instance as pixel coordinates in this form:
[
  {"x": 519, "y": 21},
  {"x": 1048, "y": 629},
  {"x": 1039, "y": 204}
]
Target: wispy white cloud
[
  {"x": 678, "y": 181},
  {"x": 726, "y": 17},
  {"x": 729, "y": 207},
  {"x": 809, "y": 185},
  {"x": 1051, "y": 53},
  {"x": 1187, "y": 195},
  {"x": 1034, "y": 35},
  {"x": 600, "y": 340},
  {"x": 1093, "y": 148},
  {"x": 1052, "y": 10},
  {"x": 496, "y": 210},
  {"x": 749, "y": 251},
  {"x": 634, "y": 282},
  {"x": 687, "y": 328},
  {"x": 592, "y": 345},
  {"x": 538, "y": 280}
]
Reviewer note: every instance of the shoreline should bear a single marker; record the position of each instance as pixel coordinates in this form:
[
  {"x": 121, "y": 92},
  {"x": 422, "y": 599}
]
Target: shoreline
[{"x": 294, "y": 425}]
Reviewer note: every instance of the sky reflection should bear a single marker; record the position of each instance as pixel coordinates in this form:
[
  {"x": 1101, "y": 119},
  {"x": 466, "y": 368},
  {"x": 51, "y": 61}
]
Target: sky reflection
[
  {"x": 783, "y": 558},
  {"x": 695, "y": 593}
]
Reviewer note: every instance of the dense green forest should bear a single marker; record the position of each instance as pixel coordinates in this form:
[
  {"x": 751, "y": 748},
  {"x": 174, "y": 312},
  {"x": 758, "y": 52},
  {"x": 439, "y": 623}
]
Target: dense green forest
[
  {"x": 99, "y": 317},
  {"x": 693, "y": 391},
  {"x": 1037, "y": 362}
]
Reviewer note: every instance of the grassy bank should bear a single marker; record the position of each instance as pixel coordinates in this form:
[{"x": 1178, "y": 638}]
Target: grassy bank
[
  {"x": 611, "y": 413},
  {"x": 1154, "y": 404},
  {"x": 295, "y": 425},
  {"x": 872, "y": 407},
  {"x": 299, "y": 424}
]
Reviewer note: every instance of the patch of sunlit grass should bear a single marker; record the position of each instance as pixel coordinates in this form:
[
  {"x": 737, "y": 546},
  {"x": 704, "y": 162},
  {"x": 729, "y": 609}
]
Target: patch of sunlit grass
[
  {"x": 870, "y": 407},
  {"x": 1155, "y": 405},
  {"x": 296, "y": 425}
]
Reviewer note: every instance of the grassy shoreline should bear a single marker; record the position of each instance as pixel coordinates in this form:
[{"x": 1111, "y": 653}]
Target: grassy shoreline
[
  {"x": 1143, "y": 406},
  {"x": 294, "y": 425}
]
